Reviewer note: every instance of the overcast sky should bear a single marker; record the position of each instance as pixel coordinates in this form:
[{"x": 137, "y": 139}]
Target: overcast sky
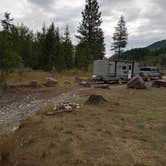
[{"x": 145, "y": 19}]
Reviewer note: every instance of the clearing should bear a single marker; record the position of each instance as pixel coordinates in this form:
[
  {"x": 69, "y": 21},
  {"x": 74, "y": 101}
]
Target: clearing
[{"x": 128, "y": 130}]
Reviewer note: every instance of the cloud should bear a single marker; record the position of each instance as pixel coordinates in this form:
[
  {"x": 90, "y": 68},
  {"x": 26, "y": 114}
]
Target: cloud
[
  {"x": 41, "y": 2},
  {"x": 145, "y": 19}
]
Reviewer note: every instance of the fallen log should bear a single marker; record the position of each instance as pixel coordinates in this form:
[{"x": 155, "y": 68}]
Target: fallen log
[
  {"x": 159, "y": 83},
  {"x": 102, "y": 86}
]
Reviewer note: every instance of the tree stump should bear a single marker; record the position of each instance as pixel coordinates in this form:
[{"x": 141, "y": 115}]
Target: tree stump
[{"x": 96, "y": 100}]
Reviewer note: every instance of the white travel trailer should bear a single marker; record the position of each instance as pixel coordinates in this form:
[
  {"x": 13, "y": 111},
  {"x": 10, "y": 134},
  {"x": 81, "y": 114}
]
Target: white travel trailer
[{"x": 106, "y": 70}]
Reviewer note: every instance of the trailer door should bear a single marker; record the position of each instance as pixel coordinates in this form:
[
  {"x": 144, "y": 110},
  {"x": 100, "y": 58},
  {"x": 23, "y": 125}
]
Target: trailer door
[{"x": 130, "y": 72}]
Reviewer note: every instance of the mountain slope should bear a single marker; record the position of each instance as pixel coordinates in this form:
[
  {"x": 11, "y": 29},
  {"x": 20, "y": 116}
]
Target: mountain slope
[
  {"x": 157, "y": 45},
  {"x": 153, "y": 55}
]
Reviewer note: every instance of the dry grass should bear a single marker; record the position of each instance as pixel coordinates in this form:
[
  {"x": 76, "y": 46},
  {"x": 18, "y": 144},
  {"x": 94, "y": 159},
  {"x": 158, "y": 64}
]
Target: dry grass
[
  {"x": 25, "y": 77},
  {"x": 130, "y": 130},
  {"x": 46, "y": 109},
  {"x": 7, "y": 147}
]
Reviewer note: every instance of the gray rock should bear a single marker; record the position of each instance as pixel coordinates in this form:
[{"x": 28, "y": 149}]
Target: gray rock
[
  {"x": 68, "y": 108},
  {"x": 136, "y": 83},
  {"x": 51, "y": 82}
]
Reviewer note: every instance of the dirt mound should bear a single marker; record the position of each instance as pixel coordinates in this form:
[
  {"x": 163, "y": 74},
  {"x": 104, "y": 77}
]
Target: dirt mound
[
  {"x": 136, "y": 83},
  {"x": 96, "y": 100},
  {"x": 159, "y": 83}
]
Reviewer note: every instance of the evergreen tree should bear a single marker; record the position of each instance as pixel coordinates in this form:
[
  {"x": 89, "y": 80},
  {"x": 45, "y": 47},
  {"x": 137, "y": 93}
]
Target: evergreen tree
[
  {"x": 22, "y": 43},
  {"x": 120, "y": 37},
  {"x": 68, "y": 49},
  {"x": 9, "y": 59},
  {"x": 82, "y": 56},
  {"x": 40, "y": 45},
  {"x": 59, "y": 56},
  {"x": 50, "y": 50},
  {"x": 90, "y": 33}
]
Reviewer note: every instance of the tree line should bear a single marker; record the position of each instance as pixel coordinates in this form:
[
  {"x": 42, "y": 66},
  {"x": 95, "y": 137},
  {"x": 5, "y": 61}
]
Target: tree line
[{"x": 49, "y": 50}]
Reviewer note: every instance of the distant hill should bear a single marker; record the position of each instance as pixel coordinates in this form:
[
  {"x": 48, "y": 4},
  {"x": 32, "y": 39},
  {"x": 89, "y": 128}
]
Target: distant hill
[
  {"x": 153, "y": 55},
  {"x": 157, "y": 45}
]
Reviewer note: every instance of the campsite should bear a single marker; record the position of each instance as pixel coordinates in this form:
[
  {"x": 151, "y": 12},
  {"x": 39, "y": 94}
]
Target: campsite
[
  {"x": 127, "y": 129},
  {"x": 82, "y": 83}
]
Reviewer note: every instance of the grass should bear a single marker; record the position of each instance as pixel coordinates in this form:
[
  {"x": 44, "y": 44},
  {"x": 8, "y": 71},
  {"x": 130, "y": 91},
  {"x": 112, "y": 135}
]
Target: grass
[
  {"x": 24, "y": 77},
  {"x": 129, "y": 130}
]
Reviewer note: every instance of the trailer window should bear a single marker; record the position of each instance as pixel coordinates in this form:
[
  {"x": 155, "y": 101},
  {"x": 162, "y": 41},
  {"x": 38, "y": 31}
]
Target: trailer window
[
  {"x": 124, "y": 68},
  {"x": 129, "y": 67},
  {"x": 145, "y": 69}
]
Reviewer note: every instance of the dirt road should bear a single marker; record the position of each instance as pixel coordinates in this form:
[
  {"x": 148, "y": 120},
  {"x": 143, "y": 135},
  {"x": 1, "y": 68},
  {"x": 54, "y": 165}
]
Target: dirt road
[{"x": 18, "y": 104}]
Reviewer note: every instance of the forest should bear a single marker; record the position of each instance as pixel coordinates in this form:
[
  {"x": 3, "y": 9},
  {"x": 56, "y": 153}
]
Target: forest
[{"x": 49, "y": 50}]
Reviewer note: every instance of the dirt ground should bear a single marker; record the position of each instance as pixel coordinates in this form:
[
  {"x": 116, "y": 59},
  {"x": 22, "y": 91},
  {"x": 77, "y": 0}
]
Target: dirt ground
[
  {"x": 129, "y": 130},
  {"x": 20, "y": 101}
]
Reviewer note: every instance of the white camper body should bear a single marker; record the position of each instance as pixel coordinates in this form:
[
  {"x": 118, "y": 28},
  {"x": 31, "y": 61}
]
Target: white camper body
[{"x": 107, "y": 70}]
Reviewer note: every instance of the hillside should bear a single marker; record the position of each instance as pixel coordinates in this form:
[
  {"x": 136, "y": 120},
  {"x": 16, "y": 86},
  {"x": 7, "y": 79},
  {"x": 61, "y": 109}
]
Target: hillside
[
  {"x": 154, "y": 54},
  {"x": 157, "y": 45}
]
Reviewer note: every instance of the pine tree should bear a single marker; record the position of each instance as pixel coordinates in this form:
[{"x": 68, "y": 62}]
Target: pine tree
[
  {"x": 59, "y": 58},
  {"x": 22, "y": 43},
  {"x": 82, "y": 56},
  {"x": 9, "y": 59},
  {"x": 68, "y": 49},
  {"x": 120, "y": 37},
  {"x": 90, "y": 33}
]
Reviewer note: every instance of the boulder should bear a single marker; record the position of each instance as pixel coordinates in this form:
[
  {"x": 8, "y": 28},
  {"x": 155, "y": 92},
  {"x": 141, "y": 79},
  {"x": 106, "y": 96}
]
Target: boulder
[
  {"x": 159, "y": 83},
  {"x": 136, "y": 83},
  {"x": 51, "y": 82}
]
